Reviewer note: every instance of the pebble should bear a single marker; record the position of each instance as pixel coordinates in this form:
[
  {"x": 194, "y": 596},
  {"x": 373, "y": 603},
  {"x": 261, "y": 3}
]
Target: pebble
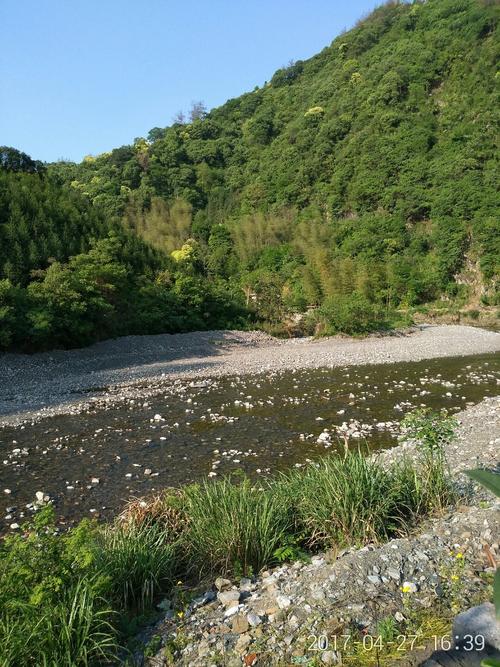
[
  {"x": 229, "y": 598},
  {"x": 283, "y": 601}
]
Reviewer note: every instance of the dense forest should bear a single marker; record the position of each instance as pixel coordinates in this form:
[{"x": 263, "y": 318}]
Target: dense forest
[{"x": 351, "y": 186}]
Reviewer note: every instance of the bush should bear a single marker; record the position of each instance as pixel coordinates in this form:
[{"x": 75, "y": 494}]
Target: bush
[
  {"x": 352, "y": 314},
  {"x": 51, "y": 598},
  {"x": 432, "y": 432}
]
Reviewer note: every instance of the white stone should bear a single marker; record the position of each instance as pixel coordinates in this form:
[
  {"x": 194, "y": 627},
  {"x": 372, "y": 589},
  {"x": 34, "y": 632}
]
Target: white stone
[
  {"x": 229, "y": 598},
  {"x": 283, "y": 601},
  {"x": 254, "y": 619}
]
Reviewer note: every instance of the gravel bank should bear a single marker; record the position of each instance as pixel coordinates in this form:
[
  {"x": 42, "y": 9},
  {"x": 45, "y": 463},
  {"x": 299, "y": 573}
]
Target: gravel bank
[
  {"x": 276, "y": 617},
  {"x": 32, "y": 387}
]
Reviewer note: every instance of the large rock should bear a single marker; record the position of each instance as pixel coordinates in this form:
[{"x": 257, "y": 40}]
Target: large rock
[
  {"x": 477, "y": 622},
  {"x": 469, "y": 629},
  {"x": 222, "y": 584}
]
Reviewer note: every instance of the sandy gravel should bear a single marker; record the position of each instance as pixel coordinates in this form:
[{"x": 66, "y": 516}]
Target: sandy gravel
[{"x": 33, "y": 386}]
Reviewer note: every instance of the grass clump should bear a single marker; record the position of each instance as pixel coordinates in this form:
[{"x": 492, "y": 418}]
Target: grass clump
[
  {"x": 52, "y": 605},
  {"x": 139, "y": 562},
  {"x": 236, "y": 527},
  {"x": 344, "y": 501}
]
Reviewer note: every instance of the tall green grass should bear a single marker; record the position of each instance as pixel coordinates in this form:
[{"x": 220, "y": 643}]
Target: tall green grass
[
  {"x": 139, "y": 563},
  {"x": 235, "y": 526},
  {"x": 344, "y": 501},
  {"x": 64, "y": 598},
  {"x": 74, "y": 630}
]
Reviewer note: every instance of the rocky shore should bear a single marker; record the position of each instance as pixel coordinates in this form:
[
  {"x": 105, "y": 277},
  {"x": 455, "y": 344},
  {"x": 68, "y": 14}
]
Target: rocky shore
[
  {"x": 296, "y": 613},
  {"x": 58, "y": 382}
]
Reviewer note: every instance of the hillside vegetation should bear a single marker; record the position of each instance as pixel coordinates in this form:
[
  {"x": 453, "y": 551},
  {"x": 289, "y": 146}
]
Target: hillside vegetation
[{"x": 359, "y": 181}]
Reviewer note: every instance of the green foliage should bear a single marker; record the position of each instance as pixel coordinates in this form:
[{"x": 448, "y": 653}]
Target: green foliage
[
  {"x": 235, "y": 526},
  {"x": 432, "y": 430},
  {"x": 14, "y": 160},
  {"x": 345, "y": 501},
  {"x": 490, "y": 480},
  {"x": 360, "y": 180},
  {"x": 139, "y": 563},
  {"x": 353, "y": 314},
  {"x": 52, "y": 609}
]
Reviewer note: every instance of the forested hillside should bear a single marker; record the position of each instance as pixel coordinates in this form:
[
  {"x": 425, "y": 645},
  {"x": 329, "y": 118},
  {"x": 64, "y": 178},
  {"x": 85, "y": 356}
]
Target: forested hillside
[{"x": 360, "y": 181}]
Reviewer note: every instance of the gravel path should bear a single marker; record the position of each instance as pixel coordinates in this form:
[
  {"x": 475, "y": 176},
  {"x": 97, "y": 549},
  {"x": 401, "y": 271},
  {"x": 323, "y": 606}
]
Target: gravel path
[{"x": 62, "y": 381}]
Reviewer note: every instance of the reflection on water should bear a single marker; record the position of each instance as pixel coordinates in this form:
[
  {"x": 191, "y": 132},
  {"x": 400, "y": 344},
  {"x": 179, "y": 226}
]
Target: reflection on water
[{"x": 91, "y": 463}]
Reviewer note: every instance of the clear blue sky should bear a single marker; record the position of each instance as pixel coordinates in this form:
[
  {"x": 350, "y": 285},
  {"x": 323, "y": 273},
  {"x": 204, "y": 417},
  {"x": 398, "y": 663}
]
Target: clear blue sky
[{"x": 80, "y": 77}]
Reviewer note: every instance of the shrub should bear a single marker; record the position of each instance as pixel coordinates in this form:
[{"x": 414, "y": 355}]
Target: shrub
[
  {"x": 431, "y": 431},
  {"x": 52, "y": 609},
  {"x": 352, "y": 314},
  {"x": 73, "y": 631}
]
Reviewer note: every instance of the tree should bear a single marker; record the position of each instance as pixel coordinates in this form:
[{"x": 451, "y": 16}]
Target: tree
[
  {"x": 198, "y": 111},
  {"x": 13, "y": 160}
]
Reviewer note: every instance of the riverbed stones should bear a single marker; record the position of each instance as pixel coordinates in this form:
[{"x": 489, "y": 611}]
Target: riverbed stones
[
  {"x": 283, "y": 601},
  {"x": 254, "y": 619},
  {"x": 240, "y": 624},
  {"x": 222, "y": 584},
  {"x": 229, "y": 598}
]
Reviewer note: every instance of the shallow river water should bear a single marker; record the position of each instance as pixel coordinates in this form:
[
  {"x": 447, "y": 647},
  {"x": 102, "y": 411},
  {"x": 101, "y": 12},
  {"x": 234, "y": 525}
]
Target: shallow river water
[{"x": 90, "y": 463}]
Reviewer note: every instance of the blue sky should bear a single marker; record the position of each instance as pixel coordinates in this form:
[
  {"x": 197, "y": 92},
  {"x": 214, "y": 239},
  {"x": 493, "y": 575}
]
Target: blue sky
[{"x": 80, "y": 77}]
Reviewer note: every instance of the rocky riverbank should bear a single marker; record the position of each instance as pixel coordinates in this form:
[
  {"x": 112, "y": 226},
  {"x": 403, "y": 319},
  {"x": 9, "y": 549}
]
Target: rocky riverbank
[
  {"x": 59, "y": 382},
  {"x": 358, "y": 603}
]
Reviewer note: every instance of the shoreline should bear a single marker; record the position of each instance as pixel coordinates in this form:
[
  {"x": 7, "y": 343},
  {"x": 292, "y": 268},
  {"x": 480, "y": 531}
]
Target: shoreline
[{"x": 42, "y": 385}]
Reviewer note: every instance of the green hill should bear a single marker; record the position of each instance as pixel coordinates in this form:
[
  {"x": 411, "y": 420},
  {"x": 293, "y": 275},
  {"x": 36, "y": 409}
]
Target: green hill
[{"x": 361, "y": 180}]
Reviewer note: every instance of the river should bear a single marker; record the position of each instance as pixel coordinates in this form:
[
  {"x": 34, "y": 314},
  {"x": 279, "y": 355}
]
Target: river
[{"x": 89, "y": 464}]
